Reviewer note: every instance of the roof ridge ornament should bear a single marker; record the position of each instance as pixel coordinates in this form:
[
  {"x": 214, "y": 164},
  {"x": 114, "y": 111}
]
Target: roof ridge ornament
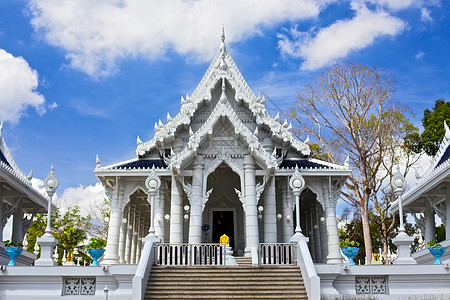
[
  {"x": 223, "y": 97},
  {"x": 222, "y": 38},
  {"x": 1, "y": 128},
  {"x": 447, "y": 131}
]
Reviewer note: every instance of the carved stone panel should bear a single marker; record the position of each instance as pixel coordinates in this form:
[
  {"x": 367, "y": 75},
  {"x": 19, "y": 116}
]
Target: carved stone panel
[
  {"x": 375, "y": 285},
  {"x": 79, "y": 286}
]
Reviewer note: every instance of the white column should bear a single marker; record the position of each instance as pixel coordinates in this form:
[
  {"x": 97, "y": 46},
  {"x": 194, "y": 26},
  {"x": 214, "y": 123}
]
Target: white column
[
  {"x": 112, "y": 245},
  {"x": 312, "y": 238},
  {"x": 176, "y": 212},
  {"x": 159, "y": 212},
  {"x": 334, "y": 255},
  {"x": 288, "y": 227},
  {"x": 430, "y": 227},
  {"x": 195, "y": 221},
  {"x": 17, "y": 235},
  {"x": 447, "y": 211},
  {"x": 251, "y": 213},
  {"x": 270, "y": 212},
  {"x": 122, "y": 239},
  {"x": 129, "y": 239},
  {"x": 323, "y": 241},
  {"x": 137, "y": 224},
  {"x": 317, "y": 243},
  {"x": 140, "y": 235}
]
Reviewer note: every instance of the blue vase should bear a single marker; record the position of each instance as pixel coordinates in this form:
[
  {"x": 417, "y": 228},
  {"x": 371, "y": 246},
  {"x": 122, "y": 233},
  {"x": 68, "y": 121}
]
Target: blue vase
[
  {"x": 95, "y": 254},
  {"x": 350, "y": 252},
  {"x": 12, "y": 253},
  {"x": 437, "y": 252}
]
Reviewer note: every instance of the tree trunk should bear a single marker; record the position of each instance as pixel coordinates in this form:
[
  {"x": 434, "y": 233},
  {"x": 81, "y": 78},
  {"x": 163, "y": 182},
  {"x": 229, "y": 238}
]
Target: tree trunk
[{"x": 366, "y": 232}]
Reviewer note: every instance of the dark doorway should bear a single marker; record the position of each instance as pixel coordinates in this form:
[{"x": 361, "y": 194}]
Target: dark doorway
[{"x": 223, "y": 223}]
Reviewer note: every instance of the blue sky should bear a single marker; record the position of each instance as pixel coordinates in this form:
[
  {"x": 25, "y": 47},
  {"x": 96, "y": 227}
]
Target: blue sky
[{"x": 82, "y": 77}]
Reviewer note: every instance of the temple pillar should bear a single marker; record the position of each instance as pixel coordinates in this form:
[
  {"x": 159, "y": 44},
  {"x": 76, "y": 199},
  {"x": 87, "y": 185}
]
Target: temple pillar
[
  {"x": 129, "y": 239},
  {"x": 195, "y": 222},
  {"x": 122, "y": 239},
  {"x": 334, "y": 252},
  {"x": 323, "y": 240},
  {"x": 288, "y": 227},
  {"x": 159, "y": 212},
  {"x": 17, "y": 235},
  {"x": 317, "y": 243},
  {"x": 447, "y": 211},
  {"x": 430, "y": 227},
  {"x": 176, "y": 212},
  {"x": 136, "y": 225},
  {"x": 312, "y": 237},
  {"x": 270, "y": 212},
  {"x": 251, "y": 212},
  {"x": 112, "y": 245}
]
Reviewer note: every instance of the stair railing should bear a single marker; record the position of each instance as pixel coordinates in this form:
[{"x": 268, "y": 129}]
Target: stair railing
[
  {"x": 309, "y": 274},
  {"x": 277, "y": 253},
  {"x": 189, "y": 254}
]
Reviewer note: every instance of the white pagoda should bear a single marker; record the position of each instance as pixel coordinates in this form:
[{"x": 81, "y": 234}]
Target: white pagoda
[{"x": 224, "y": 165}]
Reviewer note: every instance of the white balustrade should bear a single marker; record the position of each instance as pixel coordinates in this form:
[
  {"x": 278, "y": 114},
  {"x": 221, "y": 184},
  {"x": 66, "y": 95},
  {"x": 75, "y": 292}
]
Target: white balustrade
[
  {"x": 277, "y": 253},
  {"x": 190, "y": 254}
]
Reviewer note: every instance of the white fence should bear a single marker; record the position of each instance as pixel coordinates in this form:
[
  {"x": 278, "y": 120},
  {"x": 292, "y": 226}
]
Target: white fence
[
  {"x": 277, "y": 253},
  {"x": 190, "y": 254}
]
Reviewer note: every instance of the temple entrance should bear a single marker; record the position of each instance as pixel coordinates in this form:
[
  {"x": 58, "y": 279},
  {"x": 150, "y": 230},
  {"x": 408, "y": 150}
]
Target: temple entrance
[{"x": 223, "y": 223}]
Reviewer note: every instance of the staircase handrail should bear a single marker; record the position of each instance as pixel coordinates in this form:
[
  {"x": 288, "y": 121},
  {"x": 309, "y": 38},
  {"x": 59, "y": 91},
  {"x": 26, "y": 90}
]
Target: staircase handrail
[
  {"x": 255, "y": 256},
  {"x": 140, "y": 279},
  {"x": 309, "y": 274}
]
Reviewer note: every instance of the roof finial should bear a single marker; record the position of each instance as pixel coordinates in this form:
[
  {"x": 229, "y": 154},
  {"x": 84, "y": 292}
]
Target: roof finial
[
  {"x": 222, "y": 38},
  {"x": 1, "y": 127}
]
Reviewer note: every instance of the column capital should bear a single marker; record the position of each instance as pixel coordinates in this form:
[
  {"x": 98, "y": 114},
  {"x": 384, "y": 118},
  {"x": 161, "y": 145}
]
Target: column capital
[{"x": 249, "y": 162}]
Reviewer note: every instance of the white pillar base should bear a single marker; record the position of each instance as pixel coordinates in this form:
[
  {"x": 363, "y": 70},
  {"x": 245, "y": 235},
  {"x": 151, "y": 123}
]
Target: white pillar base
[
  {"x": 47, "y": 243},
  {"x": 229, "y": 259},
  {"x": 297, "y": 237},
  {"x": 151, "y": 237},
  {"x": 403, "y": 243}
]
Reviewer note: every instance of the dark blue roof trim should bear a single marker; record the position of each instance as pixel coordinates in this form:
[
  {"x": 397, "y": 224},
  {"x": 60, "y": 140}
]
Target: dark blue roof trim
[
  {"x": 3, "y": 158},
  {"x": 444, "y": 157},
  {"x": 301, "y": 164},
  {"x": 143, "y": 164}
]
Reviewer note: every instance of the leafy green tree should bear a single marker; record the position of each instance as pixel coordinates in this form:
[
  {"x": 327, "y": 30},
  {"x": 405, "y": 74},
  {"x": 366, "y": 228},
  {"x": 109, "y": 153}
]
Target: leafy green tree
[
  {"x": 70, "y": 229},
  {"x": 433, "y": 124}
]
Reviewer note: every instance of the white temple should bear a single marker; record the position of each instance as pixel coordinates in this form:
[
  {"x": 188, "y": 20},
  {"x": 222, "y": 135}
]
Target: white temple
[
  {"x": 224, "y": 166},
  {"x": 225, "y": 162}
]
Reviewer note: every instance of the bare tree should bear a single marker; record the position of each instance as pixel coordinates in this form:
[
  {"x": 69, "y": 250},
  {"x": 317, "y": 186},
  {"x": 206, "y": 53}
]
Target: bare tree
[{"x": 350, "y": 112}]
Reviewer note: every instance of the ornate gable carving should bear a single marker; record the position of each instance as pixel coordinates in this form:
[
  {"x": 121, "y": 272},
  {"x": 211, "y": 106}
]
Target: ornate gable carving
[{"x": 222, "y": 71}]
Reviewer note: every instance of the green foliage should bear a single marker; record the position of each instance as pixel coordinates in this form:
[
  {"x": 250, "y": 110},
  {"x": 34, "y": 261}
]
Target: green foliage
[
  {"x": 347, "y": 243},
  {"x": 440, "y": 233},
  {"x": 433, "y": 124},
  {"x": 352, "y": 230},
  {"x": 433, "y": 243},
  {"x": 96, "y": 243},
  {"x": 11, "y": 244},
  {"x": 70, "y": 229},
  {"x": 318, "y": 152}
]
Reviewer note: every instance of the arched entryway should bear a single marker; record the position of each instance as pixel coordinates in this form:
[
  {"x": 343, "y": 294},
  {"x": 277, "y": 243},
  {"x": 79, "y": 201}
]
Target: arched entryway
[{"x": 223, "y": 210}]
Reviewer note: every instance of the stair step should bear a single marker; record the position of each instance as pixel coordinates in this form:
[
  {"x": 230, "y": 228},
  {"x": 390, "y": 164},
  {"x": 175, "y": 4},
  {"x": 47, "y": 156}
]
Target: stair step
[{"x": 226, "y": 282}]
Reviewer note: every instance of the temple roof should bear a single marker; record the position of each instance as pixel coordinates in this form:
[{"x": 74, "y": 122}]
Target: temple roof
[
  {"x": 222, "y": 74},
  {"x": 433, "y": 179},
  {"x": 15, "y": 182}
]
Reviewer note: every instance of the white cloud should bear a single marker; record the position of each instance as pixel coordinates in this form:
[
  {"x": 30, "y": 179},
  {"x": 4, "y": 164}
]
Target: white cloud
[
  {"x": 88, "y": 198},
  {"x": 425, "y": 15},
  {"x": 18, "y": 83},
  {"x": 419, "y": 55},
  {"x": 97, "y": 34},
  {"x": 339, "y": 39}
]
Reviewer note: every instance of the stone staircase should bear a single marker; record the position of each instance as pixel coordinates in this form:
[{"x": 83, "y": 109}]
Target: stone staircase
[{"x": 221, "y": 282}]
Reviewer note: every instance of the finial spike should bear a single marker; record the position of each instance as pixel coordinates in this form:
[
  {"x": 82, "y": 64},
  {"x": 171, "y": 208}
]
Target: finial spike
[
  {"x": 139, "y": 142},
  {"x": 30, "y": 176},
  {"x": 222, "y": 38},
  {"x": 1, "y": 127}
]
